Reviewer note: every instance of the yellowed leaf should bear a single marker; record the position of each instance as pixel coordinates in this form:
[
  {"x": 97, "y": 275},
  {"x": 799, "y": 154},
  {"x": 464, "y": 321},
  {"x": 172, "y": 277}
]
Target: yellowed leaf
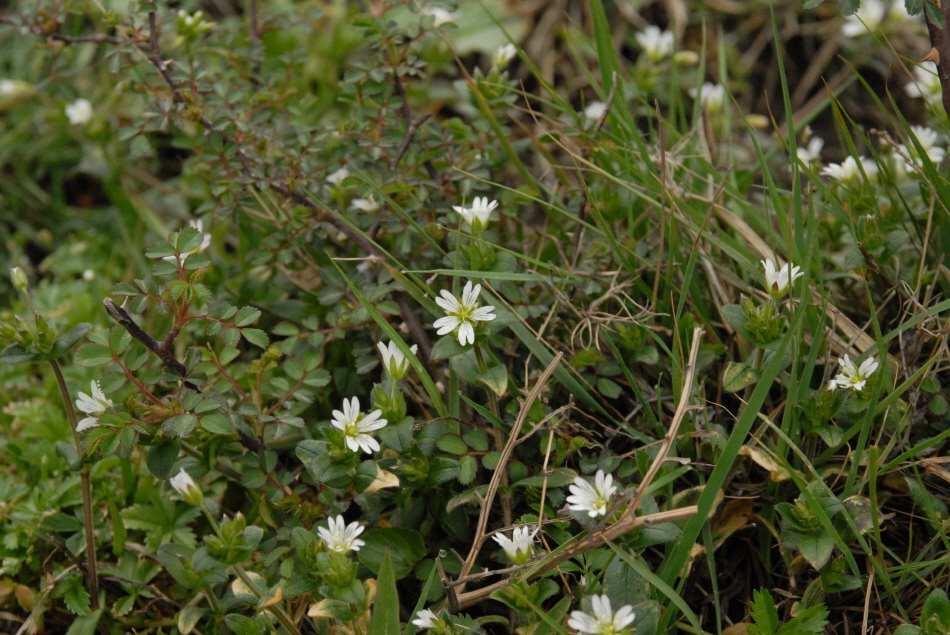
[
  {"x": 383, "y": 479},
  {"x": 777, "y": 473}
]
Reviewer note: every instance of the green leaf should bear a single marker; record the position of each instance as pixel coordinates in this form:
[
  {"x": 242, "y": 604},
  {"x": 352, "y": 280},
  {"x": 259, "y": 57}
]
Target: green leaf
[
  {"x": 738, "y": 376},
  {"x": 256, "y": 336},
  {"x": 85, "y": 625},
  {"x": 468, "y": 469},
  {"x": 914, "y": 7},
  {"x": 196, "y": 261},
  {"x": 189, "y": 239},
  {"x": 93, "y": 355},
  {"x": 385, "y": 617},
  {"x": 811, "y": 4},
  {"x": 448, "y": 346},
  {"x": 451, "y": 444},
  {"x": 559, "y": 477},
  {"x": 315, "y": 457},
  {"x": 495, "y": 378},
  {"x": 848, "y": 7},
  {"x": 442, "y": 469},
  {"x": 188, "y": 618},
  {"x": 406, "y": 548},
  {"x": 77, "y": 597},
  {"x": 161, "y": 458},
  {"x": 764, "y": 613},
  {"x": 247, "y": 315},
  {"x": 159, "y": 250},
  {"x": 935, "y": 616},
  {"x": 934, "y": 14},
  {"x": 67, "y": 341},
  {"x": 16, "y": 354}
]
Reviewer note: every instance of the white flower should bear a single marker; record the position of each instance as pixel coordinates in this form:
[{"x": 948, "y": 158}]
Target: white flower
[
  {"x": 595, "y": 110},
  {"x": 927, "y": 84},
  {"x": 88, "y": 275},
  {"x": 367, "y": 205},
  {"x": 427, "y": 619},
  {"x": 604, "y": 621},
  {"x": 592, "y": 499},
  {"x": 462, "y": 313},
  {"x": 519, "y": 547},
  {"x": 503, "y": 55},
  {"x": 79, "y": 112},
  {"x": 850, "y": 376},
  {"x": 8, "y": 87},
  {"x": 927, "y": 137},
  {"x": 337, "y": 177},
  {"x": 341, "y": 537},
  {"x": 477, "y": 215},
  {"x": 440, "y": 14},
  {"x": 356, "y": 426},
  {"x": 656, "y": 44},
  {"x": 847, "y": 172},
  {"x": 812, "y": 152},
  {"x": 186, "y": 487},
  {"x": 777, "y": 281},
  {"x": 711, "y": 95},
  {"x": 94, "y": 406},
  {"x": 395, "y": 363},
  {"x": 205, "y": 240}
]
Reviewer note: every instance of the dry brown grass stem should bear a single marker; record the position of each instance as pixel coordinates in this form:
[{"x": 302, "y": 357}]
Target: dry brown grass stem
[{"x": 628, "y": 522}]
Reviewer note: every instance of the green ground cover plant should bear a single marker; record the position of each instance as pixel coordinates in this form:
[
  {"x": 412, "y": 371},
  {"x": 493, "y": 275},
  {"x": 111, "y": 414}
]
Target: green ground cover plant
[{"x": 388, "y": 316}]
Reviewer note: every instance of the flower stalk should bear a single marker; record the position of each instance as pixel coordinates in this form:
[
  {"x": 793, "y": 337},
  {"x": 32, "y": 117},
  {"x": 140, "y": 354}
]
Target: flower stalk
[{"x": 92, "y": 573}]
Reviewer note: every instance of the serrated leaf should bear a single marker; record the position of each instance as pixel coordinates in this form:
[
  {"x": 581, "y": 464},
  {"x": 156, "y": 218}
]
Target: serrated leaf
[
  {"x": 76, "y": 597},
  {"x": 256, "y": 336},
  {"x": 764, "y": 612},
  {"x": 848, "y": 7},
  {"x": 196, "y": 261},
  {"x": 159, "y": 250},
  {"x": 451, "y": 444},
  {"x": 934, "y": 14},
  {"x": 93, "y": 355},
  {"x": 468, "y": 469},
  {"x": 246, "y": 316}
]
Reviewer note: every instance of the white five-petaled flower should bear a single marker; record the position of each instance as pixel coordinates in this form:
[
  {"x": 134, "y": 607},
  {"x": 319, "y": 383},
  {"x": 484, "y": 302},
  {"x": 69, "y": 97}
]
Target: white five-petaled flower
[
  {"x": 927, "y": 138},
  {"x": 519, "y": 547},
  {"x": 462, "y": 313},
  {"x": 604, "y": 621},
  {"x": 336, "y": 178},
  {"x": 356, "y": 426},
  {"x": 441, "y": 15},
  {"x": 657, "y": 45},
  {"x": 79, "y": 112},
  {"x": 186, "y": 487},
  {"x": 341, "y": 537},
  {"x": 848, "y": 172},
  {"x": 477, "y": 215},
  {"x": 503, "y": 55},
  {"x": 93, "y": 405},
  {"x": 427, "y": 619},
  {"x": 927, "y": 84},
  {"x": 852, "y": 376},
  {"x": 205, "y": 240},
  {"x": 395, "y": 363},
  {"x": 368, "y": 205},
  {"x": 777, "y": 281},
  {"x": 592, "y": 499},
  {"x": 711, "y": 95},
  {"x": 811, "y": 153}
]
